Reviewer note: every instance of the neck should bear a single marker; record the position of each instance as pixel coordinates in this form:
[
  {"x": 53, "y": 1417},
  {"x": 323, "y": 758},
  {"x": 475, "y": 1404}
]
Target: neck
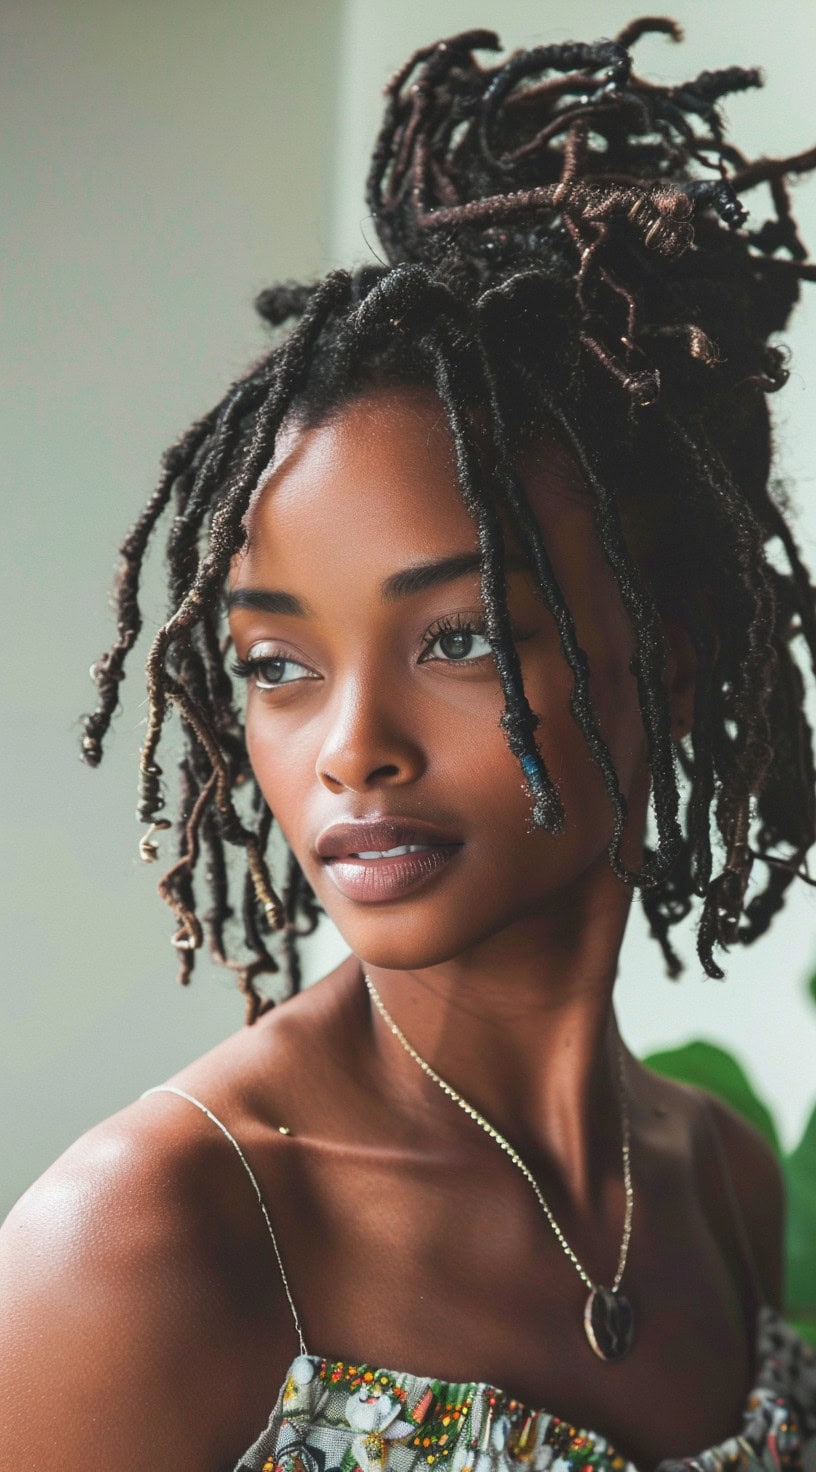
[{"x": 524, "y": 1029}]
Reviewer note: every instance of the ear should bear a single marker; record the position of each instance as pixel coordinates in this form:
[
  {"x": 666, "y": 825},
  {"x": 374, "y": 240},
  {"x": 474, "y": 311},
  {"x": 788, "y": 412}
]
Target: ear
[{"x": 680, "y": 674}]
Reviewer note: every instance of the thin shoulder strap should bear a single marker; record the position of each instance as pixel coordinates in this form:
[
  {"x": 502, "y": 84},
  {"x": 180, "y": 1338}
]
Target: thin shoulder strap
[{"x": 171, "y": 1089}]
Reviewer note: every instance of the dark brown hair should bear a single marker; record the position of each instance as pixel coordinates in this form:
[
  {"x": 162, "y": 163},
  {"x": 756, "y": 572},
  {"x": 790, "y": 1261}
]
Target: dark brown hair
[{"x": 565, "y": 245}]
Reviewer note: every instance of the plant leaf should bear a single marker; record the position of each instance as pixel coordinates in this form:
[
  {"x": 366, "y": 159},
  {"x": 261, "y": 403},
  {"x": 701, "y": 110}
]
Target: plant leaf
[
  {"x": 800, "y": 1238},
  {"x": 712, "y": 1068}
]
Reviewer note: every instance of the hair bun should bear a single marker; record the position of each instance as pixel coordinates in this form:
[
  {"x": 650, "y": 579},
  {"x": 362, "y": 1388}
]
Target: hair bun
[
  {"x": 554, "y": 130},
  {"x": 563, "y": 160}
]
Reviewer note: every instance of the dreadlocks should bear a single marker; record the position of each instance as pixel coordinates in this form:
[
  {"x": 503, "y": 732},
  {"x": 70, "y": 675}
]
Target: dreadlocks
[{"x": 554, "y": 256}]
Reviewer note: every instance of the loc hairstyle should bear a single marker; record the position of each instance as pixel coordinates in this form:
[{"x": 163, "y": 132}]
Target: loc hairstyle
[{"x": 565, "y": 246}]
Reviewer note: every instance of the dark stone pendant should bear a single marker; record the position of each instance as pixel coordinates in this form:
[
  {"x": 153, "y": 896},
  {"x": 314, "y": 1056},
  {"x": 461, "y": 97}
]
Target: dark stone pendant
[{"x": 609, "y": 1323}]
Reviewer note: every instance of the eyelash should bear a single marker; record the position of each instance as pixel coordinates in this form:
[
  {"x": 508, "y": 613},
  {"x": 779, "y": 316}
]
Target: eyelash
[
  {"x": 246, "y": 668},
  {"x": 457, "y": 624}
]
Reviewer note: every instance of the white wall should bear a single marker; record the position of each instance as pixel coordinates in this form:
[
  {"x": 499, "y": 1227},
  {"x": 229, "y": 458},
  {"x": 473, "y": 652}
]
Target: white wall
[{"x": 162, "y": 163}]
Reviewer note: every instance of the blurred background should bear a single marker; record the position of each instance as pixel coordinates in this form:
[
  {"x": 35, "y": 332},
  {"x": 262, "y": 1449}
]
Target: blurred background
[{"x": 163, "y": 162}]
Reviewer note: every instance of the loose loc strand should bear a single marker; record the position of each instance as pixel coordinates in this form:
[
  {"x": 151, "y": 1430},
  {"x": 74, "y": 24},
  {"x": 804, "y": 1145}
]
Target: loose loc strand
[
  {"x": 226, "y": 538},
  {"x": 647, "y": 662}
]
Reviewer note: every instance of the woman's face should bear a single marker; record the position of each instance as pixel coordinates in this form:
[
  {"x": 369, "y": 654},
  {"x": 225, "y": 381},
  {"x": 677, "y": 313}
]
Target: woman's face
[{"x": 378, "y": 707}]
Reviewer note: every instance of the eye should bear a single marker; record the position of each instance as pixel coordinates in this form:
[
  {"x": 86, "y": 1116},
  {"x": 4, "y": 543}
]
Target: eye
[
  {"x": 274, "y": 669},
  {"x": 456, "y": 638}
]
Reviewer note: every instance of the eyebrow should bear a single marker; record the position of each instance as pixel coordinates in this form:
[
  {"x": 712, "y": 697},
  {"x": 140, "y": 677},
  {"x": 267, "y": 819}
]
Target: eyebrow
[
  {"x": 432, "y": 574},
  {"x": 266, "y": 600},
  {"x": 399, "y": 585}
]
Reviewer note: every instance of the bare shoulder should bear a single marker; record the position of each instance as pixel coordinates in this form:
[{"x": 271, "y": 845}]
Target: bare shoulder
[
  {"x": 127, "y": 1274},
  {"x": 727, "y": 1147},
  {"x": 759, "y": 1185},
  {"x": 107, "y": 1291}
]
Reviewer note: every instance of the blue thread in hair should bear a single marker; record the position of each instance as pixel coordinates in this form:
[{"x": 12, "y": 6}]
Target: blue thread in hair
[{"x": 531, "y": 769}]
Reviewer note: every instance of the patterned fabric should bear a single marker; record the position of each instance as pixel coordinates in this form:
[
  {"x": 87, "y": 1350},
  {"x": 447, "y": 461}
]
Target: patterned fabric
[{"x": 335, "y": 1417}]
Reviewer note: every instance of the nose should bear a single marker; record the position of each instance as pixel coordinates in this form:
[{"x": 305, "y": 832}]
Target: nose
[{"x": 369, "y": 741}]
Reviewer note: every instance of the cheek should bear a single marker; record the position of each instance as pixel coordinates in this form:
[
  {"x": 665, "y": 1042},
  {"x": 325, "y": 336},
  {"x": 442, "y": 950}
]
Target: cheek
[
  {"x": 612, "y": 701},
  {"x": 615, "y": 699},
  {"x": 283, "y": 765},
  {"x": 604, "y": 631}
]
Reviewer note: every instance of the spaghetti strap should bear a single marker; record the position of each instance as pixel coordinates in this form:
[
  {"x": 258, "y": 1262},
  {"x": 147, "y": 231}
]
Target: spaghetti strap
[{"x": 171, "y": 1089}]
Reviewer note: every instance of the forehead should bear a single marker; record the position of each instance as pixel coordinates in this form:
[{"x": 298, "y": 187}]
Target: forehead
[
  {"x": 379, "y": 480},
  {"x": 383, "y": 463}
]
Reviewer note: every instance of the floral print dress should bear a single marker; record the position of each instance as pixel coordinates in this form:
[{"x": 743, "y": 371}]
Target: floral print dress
[{"x": 335, "y": 1417}]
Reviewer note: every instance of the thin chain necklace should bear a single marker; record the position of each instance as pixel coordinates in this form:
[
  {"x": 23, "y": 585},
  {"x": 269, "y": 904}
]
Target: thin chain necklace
[{"x": 608, "y": 1318}]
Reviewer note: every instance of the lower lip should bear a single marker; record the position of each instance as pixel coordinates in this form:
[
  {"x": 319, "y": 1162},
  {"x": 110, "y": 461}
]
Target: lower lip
[{"x": 373, "y": 880}]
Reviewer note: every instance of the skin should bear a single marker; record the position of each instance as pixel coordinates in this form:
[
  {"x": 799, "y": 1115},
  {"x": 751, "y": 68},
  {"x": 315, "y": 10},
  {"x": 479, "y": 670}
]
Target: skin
[{"x": 409, "y": 1239}]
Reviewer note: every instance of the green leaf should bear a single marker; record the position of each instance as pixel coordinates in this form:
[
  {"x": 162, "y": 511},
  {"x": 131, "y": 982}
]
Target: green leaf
[
  {"x": 805, "y": 1327},
  {"x": 811, "y": 987},
  {"x": 712, "y": 1068},
  {"x": 800, "y": 1243}
]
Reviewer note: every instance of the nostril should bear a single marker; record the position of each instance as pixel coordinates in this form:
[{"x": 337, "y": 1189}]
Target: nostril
[
  {"x": 379, "y": 774},
  {"x": 356, "y": 760}
]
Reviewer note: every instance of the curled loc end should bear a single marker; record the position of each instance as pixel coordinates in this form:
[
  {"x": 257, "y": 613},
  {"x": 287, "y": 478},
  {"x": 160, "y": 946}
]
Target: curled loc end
[
  {"x": 148, "y": 850},
  {"x": 643, "y": 387},
  {"x": 646, "y": 25},
  {"x": 264, "y": 893},
  {"x": 91, "y": 750},
  {"x": 151, "y": 800},
  {"x": 546, "y": 810},
  {"x": 719, "y": 195},
  {"x": 189, "y": 937},
  {"x": 702, "y": 347}
]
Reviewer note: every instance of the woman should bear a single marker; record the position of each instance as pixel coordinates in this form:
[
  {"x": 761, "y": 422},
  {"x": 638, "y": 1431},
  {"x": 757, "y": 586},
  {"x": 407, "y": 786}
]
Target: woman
[{"x": 485, "y": 533}]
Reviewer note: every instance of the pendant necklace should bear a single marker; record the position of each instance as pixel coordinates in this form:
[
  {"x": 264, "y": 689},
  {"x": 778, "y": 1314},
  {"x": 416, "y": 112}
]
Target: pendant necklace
[{"x": 608, "y": 1319}]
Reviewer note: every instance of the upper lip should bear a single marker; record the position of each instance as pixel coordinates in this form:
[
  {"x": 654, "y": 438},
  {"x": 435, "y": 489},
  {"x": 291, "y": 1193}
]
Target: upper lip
[{"x": 362, "y": 835}]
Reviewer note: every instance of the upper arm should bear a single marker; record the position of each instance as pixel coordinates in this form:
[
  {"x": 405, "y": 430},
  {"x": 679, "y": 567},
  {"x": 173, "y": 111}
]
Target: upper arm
[
  {"x": 759, "y": 1187},
  {"x": 109, "y": 1325}
]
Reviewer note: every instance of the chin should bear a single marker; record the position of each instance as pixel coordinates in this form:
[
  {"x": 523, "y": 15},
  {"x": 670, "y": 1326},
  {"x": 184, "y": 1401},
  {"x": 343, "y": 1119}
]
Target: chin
[
  {"x": 395, "y": 953},
  {"x": 405, "y": 943}
]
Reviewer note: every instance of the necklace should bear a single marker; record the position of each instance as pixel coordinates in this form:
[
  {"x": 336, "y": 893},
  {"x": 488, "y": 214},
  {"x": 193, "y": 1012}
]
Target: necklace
[{"x": 608, "y": 1318}]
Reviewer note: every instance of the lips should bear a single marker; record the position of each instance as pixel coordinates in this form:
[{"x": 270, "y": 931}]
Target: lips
[
  {"x": 377, "y": 835},
  {"x": 376, "y": 880}
]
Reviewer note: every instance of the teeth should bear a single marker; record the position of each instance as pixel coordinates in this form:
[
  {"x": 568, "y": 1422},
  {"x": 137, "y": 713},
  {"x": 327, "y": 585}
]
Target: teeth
[{"x": 392, "y": 853}]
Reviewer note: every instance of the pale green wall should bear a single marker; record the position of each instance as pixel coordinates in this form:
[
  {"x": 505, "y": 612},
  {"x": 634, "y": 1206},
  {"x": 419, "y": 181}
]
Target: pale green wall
[{"x": 162, "y": 162}]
